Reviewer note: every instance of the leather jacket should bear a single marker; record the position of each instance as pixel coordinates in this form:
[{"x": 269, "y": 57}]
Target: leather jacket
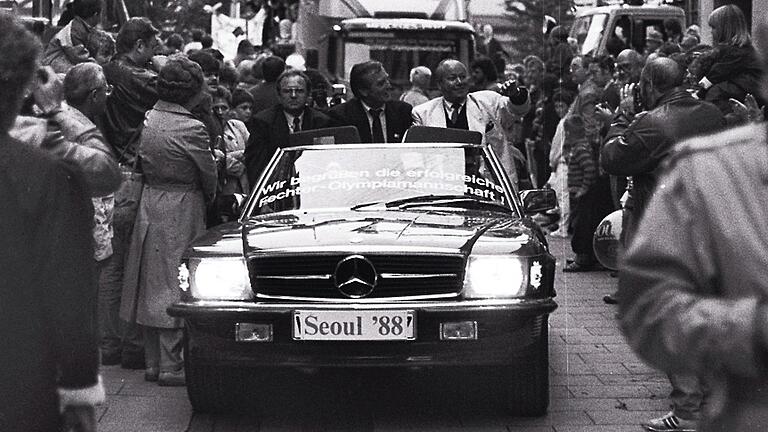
[{"x": 636, "y": 149}]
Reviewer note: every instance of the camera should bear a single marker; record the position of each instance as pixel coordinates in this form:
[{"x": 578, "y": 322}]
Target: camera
[
  {"x": 637, "y": 98},
  {"x": 338, "y": 93}
]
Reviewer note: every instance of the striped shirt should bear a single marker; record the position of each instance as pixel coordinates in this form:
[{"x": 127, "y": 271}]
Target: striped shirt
[{"x": 582, "y": 170}]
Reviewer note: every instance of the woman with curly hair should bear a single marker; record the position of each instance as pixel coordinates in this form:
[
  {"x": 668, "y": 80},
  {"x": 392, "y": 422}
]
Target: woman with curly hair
[{"x": 179, "y": 178}]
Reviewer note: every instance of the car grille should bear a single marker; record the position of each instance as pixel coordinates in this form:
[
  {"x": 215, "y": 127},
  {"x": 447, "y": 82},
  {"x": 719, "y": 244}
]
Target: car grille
[{"x": 311, "y": 276}]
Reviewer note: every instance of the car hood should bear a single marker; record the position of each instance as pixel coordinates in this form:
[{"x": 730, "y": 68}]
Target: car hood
[{"x": 391, "y": 231}]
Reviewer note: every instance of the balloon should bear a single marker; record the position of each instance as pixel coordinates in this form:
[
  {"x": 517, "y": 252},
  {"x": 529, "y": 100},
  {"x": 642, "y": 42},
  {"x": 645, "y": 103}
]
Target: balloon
[{"x": 606, "y": 240}]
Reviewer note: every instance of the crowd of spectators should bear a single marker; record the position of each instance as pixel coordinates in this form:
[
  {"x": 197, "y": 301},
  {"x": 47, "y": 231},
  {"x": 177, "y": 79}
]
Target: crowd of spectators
[{"x": 199, "y": 128}]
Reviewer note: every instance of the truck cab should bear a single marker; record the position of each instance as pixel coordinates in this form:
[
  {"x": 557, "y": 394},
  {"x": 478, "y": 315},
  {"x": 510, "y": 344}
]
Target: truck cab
[
  {"x": 610, "y": 29},
  {"x": 401, "y": 34}
]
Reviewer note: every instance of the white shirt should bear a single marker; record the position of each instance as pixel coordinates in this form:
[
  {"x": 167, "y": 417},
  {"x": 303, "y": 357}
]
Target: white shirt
[
  {"x": 449, "y": 107},
  {"x": 382, "y": 118}
]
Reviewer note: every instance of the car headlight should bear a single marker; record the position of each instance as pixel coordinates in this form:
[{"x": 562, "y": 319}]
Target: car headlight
[
  {"x": 216, "y": 278},
  {"x": 495, "y": 277}
]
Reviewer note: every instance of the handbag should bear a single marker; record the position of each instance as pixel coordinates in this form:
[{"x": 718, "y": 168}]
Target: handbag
[{"x": 128, "y": 195}]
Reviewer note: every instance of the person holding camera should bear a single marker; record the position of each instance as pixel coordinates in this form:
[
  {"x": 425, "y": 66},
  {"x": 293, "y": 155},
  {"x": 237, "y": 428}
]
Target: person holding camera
[
  {"x": 636, "y": 145},
  {"x": 49, "y": 363},
  {"x": 483, "y": 111},
  {"x": 488, "y": 112}
]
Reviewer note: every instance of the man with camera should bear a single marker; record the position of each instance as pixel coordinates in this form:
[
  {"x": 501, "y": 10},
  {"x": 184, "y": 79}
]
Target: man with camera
[
  {"x": 638, "y": 142},
  {"x": 488, "y": 112},
  {"x": 482, "y": 111},
  {"x": 636, "y": 145}
]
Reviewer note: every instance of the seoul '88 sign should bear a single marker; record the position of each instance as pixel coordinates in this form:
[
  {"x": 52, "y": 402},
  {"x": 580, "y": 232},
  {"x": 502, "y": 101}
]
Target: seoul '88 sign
[{"x": 605, "y": 241}]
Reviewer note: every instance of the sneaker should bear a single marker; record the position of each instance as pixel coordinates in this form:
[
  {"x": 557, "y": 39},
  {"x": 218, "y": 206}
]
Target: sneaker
[
  {"x": 172, "y": 379},
  {"x": 670, "y": 423}
]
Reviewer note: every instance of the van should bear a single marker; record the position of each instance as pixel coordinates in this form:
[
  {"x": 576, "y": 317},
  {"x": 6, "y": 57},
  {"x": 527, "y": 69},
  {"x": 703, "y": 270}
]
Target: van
[{"x": 610, "y": 29}]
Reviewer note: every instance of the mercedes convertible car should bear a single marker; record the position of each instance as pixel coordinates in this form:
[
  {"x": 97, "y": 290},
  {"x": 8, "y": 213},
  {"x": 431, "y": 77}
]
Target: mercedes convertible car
[{"x": 409, "y": 255}]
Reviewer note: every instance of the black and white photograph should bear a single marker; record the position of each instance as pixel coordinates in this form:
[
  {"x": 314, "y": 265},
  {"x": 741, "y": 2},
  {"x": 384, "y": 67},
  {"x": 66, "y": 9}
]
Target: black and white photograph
[{"x": 383, "y": 215}]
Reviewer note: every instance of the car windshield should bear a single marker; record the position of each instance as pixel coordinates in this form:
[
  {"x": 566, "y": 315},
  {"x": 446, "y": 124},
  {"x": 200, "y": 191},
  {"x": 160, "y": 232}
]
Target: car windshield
[
  {"x": 587, "y": 31},
  {"x": 363, "y": 177}
]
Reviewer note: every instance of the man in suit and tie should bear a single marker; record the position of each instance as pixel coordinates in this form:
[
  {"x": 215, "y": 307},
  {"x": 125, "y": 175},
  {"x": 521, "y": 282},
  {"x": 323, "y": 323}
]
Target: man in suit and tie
[
  {"x": 271, "y": 127},
  {"x": 377, "y": 119},
  {"x": 485, "y": 111}
]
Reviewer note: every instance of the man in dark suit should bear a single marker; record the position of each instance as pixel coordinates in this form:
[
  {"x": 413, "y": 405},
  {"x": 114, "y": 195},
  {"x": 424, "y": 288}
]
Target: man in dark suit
[
  {"x": 376, "y": 118},
  {"x": 271, "y": 127},
  {"x": 265, "y": 94}
]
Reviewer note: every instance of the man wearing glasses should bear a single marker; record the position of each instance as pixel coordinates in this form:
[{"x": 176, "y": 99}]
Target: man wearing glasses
[{"x": 85, "y": 90}]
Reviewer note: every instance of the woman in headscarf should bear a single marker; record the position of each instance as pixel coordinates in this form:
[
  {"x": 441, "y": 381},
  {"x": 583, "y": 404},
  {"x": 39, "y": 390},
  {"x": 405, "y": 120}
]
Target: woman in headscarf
[{"x": 179, "y": 178}]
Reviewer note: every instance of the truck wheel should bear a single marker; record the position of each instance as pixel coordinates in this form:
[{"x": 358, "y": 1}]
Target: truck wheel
[{"x": 527, "y": 390}]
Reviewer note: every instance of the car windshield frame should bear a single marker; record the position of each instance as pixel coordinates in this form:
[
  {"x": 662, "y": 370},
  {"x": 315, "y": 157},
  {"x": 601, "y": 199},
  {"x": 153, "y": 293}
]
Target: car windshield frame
[{"x": 510, "y": 192}]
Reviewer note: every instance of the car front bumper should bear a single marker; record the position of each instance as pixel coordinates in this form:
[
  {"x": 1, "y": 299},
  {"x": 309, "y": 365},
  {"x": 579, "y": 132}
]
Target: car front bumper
[{"x": 506, "y": 330}]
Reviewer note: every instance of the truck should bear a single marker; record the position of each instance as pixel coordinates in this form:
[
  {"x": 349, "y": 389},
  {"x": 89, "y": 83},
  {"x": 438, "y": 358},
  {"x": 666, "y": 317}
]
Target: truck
[
  {"x": 400, "y": 34},
  {"x": 603, "y": 29}
]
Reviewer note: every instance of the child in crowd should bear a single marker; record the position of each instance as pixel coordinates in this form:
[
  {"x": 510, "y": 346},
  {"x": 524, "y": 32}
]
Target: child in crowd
[{"x": 582, "y": 172}]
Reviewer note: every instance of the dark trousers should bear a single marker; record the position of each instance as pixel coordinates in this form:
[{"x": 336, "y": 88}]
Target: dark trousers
[
  {"x": 117, "y": 336},
  {"x": 587, "y": 212}
]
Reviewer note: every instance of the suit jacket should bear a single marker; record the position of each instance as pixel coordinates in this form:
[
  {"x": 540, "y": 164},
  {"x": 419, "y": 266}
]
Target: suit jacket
[
  {"x": 264, "y": 97},
  {"x": 486, "y": 110},
  {"x": 489, "y": 113},
  {"x": 47, "y": 286},
  {"x": 397, "y": 114},
  {"x": 268, "y": 129}
]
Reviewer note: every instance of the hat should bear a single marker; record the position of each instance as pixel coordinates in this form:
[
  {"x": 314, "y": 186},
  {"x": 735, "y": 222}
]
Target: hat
[{"x": 653, "y": 35}]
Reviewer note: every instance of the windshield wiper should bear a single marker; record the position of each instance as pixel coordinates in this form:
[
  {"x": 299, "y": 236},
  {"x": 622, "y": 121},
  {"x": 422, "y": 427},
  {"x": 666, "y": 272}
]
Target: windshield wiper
[
  {"x": 460, "y": 201},
  {"x": 401, "y": 201},
  {"x": 422, "y": 199},
  {"x": 366, "y": 204}
]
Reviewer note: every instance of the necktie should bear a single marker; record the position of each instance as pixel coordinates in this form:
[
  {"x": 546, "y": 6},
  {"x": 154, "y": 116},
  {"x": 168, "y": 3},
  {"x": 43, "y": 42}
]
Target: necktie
[
  {"x": 296, "y": 124},
  {"x": 455, "y": 113},
  {"x": 377, "y": 133}
]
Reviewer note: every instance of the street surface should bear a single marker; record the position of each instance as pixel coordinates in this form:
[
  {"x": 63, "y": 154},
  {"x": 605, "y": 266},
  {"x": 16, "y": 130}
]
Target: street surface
[{"x": 597, "y": 385}]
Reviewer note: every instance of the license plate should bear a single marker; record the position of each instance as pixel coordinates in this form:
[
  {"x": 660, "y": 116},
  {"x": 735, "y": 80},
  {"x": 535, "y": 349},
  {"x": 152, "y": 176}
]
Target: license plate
[{"x": 353, "y": 325}]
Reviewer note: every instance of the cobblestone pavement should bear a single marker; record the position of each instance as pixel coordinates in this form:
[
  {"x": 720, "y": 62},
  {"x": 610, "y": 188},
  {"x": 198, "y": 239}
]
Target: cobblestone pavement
[{"x": 597, "y": 385}]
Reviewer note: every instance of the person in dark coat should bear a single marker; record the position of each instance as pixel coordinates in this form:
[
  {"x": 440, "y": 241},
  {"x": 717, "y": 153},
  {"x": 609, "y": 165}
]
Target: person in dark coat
[
  {"x": 638, "y": 150},
  {"x": 271, "y": 127},
  {"x": 265, "y": 94},
  {"x": 133, "y": 79},
  {"x": 736, "y": 70},
  {"x": 376, "y": 118},
  {"x": 48, "y": 291},
  {"x": 132, "y": 75}
]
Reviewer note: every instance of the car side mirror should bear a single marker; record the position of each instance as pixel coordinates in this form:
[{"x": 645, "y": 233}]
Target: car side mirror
[{"x": 538, "y": 200}]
